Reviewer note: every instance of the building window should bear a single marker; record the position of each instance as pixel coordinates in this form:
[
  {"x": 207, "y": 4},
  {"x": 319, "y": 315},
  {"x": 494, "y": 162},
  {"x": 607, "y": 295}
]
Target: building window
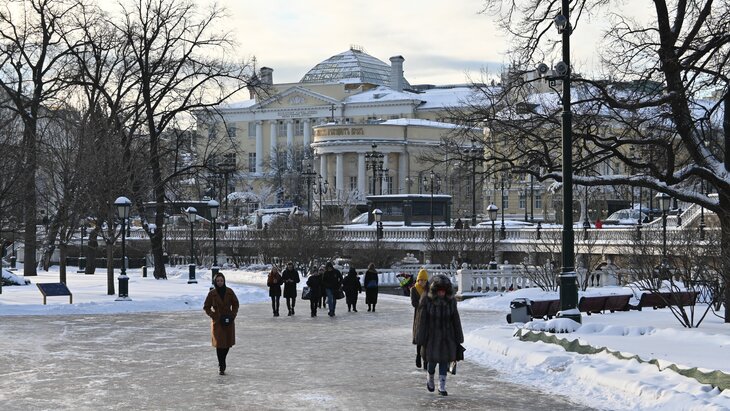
[
  {"x": 299, "y": 128},
  {"x": 231, "y": 131},
  {"x": 252, "y": 129},
  {"x": 251, "y": 162},
  {"x": 538, "y": 200},
  {"x": 353, "y": 183},
  {"x": 523, "y": 200},
  {"x": 505, "y": 200},
  {"x": 281, "y": 128}
]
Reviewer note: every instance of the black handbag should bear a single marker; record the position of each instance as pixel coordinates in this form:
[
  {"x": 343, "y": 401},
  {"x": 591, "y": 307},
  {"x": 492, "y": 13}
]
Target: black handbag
[
  {"x": 306, "y": 293},
  {"x": 226, "y": 319},
  {"x": 339, "y": 294}
]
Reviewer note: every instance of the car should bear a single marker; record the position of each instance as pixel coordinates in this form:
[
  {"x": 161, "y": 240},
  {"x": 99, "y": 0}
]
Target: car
[{"x": 626, "y": 216}]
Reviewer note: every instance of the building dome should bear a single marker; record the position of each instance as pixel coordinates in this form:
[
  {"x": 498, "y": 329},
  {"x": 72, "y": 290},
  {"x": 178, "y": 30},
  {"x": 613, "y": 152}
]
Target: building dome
[{"x": 352, "y": 66}]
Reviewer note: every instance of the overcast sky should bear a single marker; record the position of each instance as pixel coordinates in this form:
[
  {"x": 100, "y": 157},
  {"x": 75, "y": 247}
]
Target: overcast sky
[{"x": 442, "y": 42}]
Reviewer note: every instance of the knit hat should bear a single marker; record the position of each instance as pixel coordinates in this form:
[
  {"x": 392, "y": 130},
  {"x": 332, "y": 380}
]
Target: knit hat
[
  {"x": 422, "y": 275},
  {"x": 329, "y": 264}
]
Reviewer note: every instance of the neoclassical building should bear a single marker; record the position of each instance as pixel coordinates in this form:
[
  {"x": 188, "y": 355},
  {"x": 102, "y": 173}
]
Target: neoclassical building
[{"x": 342, "y": 110}]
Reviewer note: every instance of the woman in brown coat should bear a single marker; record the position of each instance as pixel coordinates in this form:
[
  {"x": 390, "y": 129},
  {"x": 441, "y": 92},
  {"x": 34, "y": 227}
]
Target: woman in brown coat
[
  {"x": 274, "y": 283},
  {"x": 438, "y": 330},
  {"x": 221, "y": 305}
]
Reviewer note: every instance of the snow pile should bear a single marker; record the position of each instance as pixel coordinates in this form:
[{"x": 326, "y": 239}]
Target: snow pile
[{"x": 9, "y": 276}]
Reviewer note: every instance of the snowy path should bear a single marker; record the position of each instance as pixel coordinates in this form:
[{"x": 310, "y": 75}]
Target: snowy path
[{"x": 164, "y": 361}]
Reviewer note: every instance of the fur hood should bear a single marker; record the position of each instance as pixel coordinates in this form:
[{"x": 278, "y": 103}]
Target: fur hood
[{"x": 440, "y": 281}]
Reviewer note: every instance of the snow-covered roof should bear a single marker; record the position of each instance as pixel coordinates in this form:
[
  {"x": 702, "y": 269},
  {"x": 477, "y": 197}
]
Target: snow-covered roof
[
  {"x": 440, "y": 98},
  {"x": 238, "y": 104},
  {"x": 380, "y": 94},
  {"x": 418, "y": 122}
]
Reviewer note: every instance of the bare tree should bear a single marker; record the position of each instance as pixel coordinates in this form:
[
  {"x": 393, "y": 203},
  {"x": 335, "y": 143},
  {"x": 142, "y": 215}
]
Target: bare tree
[{"x": 649, "y": 115}]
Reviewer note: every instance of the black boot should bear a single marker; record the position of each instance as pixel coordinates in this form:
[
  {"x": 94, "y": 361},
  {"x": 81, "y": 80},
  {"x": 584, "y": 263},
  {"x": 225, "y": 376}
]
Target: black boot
[{"x": 418, "y": 360}]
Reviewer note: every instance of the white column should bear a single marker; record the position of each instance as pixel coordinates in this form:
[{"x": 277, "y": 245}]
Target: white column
[
  {"x": 403, "y": 172},
  {"x": 340, "y": 174},
  {"x": 361, "y": 179},
  {"x": 259, "y": 147},
  {"x": 272, "y": 140},
  {"x": 289, "y": 143},
  {"x": 307, "y": 133},
  {"x": 384, "y": 182},
  {"x": 323, "y": 166}
]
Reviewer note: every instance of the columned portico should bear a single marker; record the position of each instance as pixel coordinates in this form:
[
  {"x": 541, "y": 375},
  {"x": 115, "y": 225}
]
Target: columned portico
[
  {"x": 323, "y": 166},
  {"x": 289, "y": 143},
  {"x": 340, "y": 175},
  {"x": 386, "y": 174},
  {"x": 272, "y": 140},
  {"x": 307, "y": 133},
  {"x": 361, "y": 179},
  {"x": 403, "y": 172}
]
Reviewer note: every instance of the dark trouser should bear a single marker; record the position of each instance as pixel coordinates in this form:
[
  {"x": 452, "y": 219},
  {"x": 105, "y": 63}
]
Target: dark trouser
[
  {"x": 275, "y": 304},
  {"x": 313, "y": 305},
  {"x": 222, "y": 353},
  {"x": 291, "y": 302},
  {"x": 331, "y": 300},
  {"x": 443, "y": 367}
]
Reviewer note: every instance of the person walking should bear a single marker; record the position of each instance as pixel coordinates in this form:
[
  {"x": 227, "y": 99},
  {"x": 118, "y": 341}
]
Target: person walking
[
  {"x": 290, "y": 277},
  {"x": 322, "y": 302},
  {"x": 314, "y": 282},
  {"x": 438, "y": 330},
  {"x": 274, "y": 284},
  {"x": 351, "y": 286},
  {"x": 221, "y": 305},
  {"x": 371, "y": 287},
  {"x": 417, "y": 292},
  {"x": 331, "y": 281}
]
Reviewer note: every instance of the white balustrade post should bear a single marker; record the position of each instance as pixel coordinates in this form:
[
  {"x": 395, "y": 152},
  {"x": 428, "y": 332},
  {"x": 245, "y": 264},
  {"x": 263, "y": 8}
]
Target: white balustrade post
[{"x": 464, "y": 278}]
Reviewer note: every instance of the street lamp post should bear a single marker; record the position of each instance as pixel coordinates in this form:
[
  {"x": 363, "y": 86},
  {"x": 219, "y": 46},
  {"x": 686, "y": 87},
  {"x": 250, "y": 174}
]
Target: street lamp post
[
  {"x": 191, "y": 213},
  {"x": 502, "y": 228},
  {"x": 82, "y": 258},
  {"x": 123, "y": 205},
  {"x": 702, "y": 215},
  {"x": 568, "y": 277},
  {"x": 213, "y": 206},
  {"x": 320, "y": 188},
  {"x": 474, "y": 152},
  {"x": 309, "y": 177},
  {"x": 374, "y": 161},
  {"x": 434, "y": 179},
  {"x": 664, "y": 200},
  {"x": 532, "y": 197},
  {"x": 492, "y": 210},
  {"x": 378, "y": 214}
]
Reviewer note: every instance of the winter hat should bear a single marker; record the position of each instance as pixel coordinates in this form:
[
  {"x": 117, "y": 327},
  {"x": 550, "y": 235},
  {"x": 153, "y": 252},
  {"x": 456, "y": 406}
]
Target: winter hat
[
  {"x": 329, "y": 265},
  {"x": 422, "y": 275}
]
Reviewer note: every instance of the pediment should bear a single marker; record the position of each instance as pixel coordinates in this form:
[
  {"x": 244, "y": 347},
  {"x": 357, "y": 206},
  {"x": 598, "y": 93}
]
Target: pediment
[{"x": 295, "y": 97}]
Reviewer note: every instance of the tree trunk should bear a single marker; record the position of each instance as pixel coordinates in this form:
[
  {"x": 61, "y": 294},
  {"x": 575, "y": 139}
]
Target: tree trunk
[
  {"x": 29, "y": 201},
  {"x": 62, "y": 265},
  {"x": 725, "y": 255},
  {"x": 158, "y": 255},
  {"x": 110, "y": 269},
  {"x": 90, "y": 251}
]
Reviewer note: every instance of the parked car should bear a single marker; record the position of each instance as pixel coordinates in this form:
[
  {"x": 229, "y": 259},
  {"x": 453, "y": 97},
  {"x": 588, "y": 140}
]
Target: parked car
[{"x": 626, "y": 216}]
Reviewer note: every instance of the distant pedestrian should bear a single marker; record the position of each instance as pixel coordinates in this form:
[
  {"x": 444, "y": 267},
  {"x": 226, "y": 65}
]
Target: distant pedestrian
[
  {"x": 322, "y": 302},
  {"x": 221, "y": 305},
  {"x": 458, "y": 225},
  {"x": 417, "y": 292},
  {"x": 290, "y": 276},
  {"x": 314, "y": 282},
  {"x": 332, "y": 282},
  {"x": 274, "y": 283},
  {"x": 351, "y": 286},
  {"x": 438, "y": 330},
  {"x": 371, "y": 287}
]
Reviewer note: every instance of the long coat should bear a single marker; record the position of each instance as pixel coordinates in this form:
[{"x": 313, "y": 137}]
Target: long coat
[
  {"x": 314, "y": 282},
  {"x": 438, "y": 326},
  {"x": 290, "y": 279},
  {"x": 351, "y": 286},
  {"x": 222, "y": 336},
  {"x": 415, "y": 301},
  {"x": 274, "y": 284},
  {"x": 371, "y": 287}
]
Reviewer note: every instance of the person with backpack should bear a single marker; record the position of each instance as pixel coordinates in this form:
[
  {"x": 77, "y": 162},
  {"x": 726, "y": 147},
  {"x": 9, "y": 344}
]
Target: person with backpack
[
  {"x": 290, "y": 277},
  {"x": 332, "y": 282},
  {"x": 274, "y": 283},
  {"x": 438, "y": 330},
  {"x": 371, "y": 287},
  {"x": 351, "y": 286}
]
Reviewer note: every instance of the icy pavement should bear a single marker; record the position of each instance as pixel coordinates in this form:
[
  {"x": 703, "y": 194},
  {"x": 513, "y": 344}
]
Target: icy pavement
[{"x": 164, "y": 361}]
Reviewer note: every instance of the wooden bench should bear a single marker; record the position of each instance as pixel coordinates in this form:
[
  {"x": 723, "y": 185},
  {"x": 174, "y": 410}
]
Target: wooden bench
[
  {"x": 601, "y": 303},
  {"x": 664, "y": 299},
  {"x": 544, "y": 308}
]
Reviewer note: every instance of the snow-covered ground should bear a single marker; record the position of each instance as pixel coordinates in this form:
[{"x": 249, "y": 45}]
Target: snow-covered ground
[{"x": 627, "y": 380}]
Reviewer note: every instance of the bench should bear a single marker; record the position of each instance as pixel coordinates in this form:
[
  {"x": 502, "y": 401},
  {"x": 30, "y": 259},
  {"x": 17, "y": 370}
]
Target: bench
[
  {"x": 601, "y": 303},
  {"x": 53, "y": 290},
  {"x": 664, "y": 299},
  {"x": 544, "y": 308}
]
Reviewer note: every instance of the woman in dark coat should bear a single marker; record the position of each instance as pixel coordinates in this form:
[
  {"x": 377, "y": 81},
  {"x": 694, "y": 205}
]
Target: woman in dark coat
[
  {"x": 221, "y": 305},
  {"x": 417, "y": 292},
  {"x": 351, "y": 286},
  {"x": 438, "y": 330},
  {"x": 314, "y": 282},
  {"x": 274, "y": 283},
  {"x": 371, "y": 287},
  {"x": 290, "y": 277}
]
